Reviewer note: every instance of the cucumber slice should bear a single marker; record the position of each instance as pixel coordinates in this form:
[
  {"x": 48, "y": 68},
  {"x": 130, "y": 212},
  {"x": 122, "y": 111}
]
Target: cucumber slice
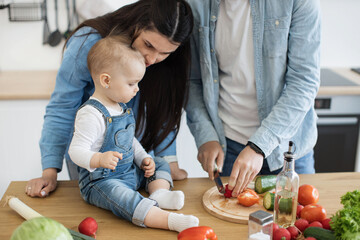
[
  {"x": 285, "y": 205},
  {"x": 265, "y": 183},
  {"x": 268, "y": 201}
]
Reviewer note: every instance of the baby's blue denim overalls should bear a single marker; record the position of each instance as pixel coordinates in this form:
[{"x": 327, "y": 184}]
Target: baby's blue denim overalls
[{"x": 116, "y": 190}]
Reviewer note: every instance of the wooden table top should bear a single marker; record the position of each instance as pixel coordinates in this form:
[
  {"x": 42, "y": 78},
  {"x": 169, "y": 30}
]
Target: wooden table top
[{"x": 66, "y": 206}]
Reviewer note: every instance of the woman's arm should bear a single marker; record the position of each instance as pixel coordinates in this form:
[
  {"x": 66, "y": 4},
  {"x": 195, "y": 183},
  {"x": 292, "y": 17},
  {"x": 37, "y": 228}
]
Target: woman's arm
[{"x": 73, "y": 86}]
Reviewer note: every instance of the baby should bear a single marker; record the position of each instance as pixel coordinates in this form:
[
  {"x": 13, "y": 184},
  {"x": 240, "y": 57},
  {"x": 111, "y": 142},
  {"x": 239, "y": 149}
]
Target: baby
[{"x": 113, "y": 164}]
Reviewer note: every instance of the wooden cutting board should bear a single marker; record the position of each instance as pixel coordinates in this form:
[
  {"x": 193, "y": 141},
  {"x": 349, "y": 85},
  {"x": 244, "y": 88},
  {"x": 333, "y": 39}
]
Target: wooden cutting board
[{"x": 227, "y": 208}]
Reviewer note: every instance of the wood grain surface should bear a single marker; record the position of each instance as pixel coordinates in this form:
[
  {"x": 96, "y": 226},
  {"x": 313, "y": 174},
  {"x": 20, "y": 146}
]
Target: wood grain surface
[
  {"x": 66, "y": 206},
  {"x": 27, "y": 84}
]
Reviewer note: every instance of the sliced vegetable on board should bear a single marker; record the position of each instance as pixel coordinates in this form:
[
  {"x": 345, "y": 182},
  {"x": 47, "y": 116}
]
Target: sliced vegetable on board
[
  {"x": 228, "y": 192},
  {"x": 265, "y": 183},
  {"x": 285, "y": 205},
  {"x": 268, "y": 201},
  {"x": 248, "y": 198}
]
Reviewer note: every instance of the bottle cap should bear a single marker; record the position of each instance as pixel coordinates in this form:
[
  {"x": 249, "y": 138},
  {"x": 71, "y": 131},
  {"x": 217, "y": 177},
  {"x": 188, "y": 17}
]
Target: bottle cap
[
  {"x": 290, "y": 154},
  {"x": 261, "y": 217}
]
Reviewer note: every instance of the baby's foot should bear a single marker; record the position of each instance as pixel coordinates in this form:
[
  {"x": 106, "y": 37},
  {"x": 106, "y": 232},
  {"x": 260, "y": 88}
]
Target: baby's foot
[
  {"x": 176, "y": 172},
  {"x": 166, "y": 199},
  {"x": 178, "y": 222}
]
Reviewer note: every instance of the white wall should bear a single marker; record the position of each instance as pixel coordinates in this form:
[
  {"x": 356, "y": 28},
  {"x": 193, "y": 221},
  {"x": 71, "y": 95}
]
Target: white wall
[{"x": 21, "y": 49}]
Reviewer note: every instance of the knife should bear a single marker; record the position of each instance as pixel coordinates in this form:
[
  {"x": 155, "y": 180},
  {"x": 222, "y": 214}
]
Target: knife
[{"x": 217, "y": 180}]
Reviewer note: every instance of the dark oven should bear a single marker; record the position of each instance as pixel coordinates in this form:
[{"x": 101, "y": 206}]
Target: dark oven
[{"x": 337, "y": 147}]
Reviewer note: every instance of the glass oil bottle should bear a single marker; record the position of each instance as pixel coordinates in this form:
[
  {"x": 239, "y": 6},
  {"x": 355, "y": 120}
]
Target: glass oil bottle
[{"x": 286, "y": 191}]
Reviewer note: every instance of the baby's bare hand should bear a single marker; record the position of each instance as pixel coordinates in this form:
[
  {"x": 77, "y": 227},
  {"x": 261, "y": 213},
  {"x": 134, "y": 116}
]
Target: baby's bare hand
[
  {"x": 148, "y": 165},
  {"x": 110, "y": 159}
]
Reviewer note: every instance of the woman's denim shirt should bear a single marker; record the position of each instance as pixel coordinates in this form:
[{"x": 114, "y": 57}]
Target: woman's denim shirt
[
  {"x": 74, "y": 86},
  {"x": 286, "y": 35}
]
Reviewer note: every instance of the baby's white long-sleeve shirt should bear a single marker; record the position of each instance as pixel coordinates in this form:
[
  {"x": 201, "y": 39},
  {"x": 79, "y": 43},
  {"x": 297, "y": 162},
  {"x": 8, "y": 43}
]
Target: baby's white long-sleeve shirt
[{"x": 89, "y": 136}]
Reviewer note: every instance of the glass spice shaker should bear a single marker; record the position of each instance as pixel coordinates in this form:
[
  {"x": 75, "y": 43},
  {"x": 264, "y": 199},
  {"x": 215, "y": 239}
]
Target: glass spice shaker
[{"x": 260, "y": 225}]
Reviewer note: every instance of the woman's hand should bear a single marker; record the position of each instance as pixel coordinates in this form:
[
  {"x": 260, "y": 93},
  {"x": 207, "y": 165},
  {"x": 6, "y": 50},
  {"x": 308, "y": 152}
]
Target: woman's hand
[
  {"x": 148, "y": 165},
  {"x": 208, "y": 153},
  {"x": 247, "y": 165},
  {"x": 41, "y": 187}
]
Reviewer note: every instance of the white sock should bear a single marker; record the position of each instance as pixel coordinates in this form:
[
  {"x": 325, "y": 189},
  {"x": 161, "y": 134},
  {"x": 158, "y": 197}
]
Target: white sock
[
  {"x": 166, "y": 199},
  {"x": 178, "y": 222}
]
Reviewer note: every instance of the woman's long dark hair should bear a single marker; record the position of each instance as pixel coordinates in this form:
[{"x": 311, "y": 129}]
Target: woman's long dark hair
[{"x": 164, "y": 88}]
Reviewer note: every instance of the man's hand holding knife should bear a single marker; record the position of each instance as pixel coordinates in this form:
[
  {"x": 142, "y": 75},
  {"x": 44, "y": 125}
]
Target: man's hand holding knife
[{"x": 246, "y": 166}]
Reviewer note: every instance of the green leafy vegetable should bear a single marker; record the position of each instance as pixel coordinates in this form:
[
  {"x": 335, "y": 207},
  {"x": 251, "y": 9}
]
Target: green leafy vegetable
[
  {"x": 346, "y": 222},
  {"x": 351, "y": 199},
  {"x": 41, "y": 228}
]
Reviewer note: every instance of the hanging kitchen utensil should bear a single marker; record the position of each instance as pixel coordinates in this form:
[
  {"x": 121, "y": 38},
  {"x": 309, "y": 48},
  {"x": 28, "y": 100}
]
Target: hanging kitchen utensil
[
  {"x": 24, "y": 12},
  {"x": 56, "y": 36},
  {"x": 46, "y": 30},
  {"x": 75, "y": 14},
  {"x": 68, "y": 31}
]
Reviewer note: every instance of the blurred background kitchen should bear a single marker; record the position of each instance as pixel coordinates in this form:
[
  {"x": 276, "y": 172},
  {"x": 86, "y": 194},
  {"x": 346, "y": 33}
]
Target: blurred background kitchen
[{"x": 30, "y": 54}]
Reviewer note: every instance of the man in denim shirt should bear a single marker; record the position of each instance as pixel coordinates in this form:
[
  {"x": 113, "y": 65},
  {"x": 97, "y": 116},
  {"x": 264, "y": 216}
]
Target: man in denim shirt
[{"x": 255, "y": 74}]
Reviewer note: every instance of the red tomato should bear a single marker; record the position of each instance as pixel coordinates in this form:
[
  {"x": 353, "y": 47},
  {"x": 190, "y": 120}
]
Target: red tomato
[
  {"x": 308, "y": 194},
  {"x": 248, "y": 198},
  {"x": 313, "y": 212}
]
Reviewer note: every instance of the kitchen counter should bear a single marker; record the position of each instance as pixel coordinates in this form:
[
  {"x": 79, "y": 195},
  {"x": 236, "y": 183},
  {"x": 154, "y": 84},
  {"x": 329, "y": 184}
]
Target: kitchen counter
[
  {"x": 40, "y": 84},
  {"x": 342, "y": 90},
  {"x": 66, "y": 206},
  {"x": 17, "y": 85}
]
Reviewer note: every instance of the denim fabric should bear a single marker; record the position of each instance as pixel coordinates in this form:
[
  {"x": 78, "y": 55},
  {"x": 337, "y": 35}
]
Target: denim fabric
[
  {"x": 74, "y": 86},
  {"x": 286, "y": 36},
  {"x": 116, "y": 190},
  {"x": 302, "y": 165}
]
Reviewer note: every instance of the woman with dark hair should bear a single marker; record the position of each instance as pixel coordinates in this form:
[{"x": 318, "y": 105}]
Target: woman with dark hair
[{"x": 159, "y": 30}]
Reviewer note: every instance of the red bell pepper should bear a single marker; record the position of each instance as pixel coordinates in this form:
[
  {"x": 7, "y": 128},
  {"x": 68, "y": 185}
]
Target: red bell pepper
[{"x": 197, "y": 233}]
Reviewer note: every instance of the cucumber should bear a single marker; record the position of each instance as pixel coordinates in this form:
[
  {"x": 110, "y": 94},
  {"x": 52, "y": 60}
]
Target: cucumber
[
  {"x": 268, "y": 201},
  {"x": 265, "y": 183},
  {"x": 319, "y": 233},
  {"x": 285, "y": 205}
]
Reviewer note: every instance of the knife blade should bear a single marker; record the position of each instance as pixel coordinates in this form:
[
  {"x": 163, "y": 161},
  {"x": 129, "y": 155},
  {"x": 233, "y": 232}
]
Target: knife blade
[{"x": 218, "y": 181}]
